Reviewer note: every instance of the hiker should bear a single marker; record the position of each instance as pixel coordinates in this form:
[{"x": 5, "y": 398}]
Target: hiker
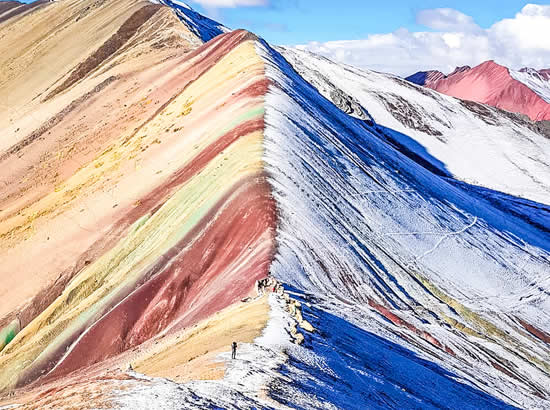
[
  {"x": 260, "y": 287},
  {"x": 234, "y": 350}
]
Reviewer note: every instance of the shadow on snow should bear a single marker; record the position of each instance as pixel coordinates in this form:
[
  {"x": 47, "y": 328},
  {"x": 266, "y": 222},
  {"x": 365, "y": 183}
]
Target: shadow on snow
[{"x": 354, "y": 369}]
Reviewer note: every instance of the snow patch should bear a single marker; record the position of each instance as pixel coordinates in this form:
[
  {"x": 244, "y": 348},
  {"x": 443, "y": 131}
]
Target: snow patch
[
  {"x": 486, "y": 148},
  {"x": 533, "y": 80}
]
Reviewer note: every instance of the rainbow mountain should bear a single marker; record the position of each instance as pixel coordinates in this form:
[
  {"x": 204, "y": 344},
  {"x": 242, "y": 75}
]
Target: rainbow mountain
[{"x": 156, "y": 166}]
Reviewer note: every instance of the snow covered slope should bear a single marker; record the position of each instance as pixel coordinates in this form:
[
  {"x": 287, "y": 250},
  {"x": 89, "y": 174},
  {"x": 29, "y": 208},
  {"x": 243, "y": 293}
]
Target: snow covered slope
[
  {"x": 524, "y": 91},
  {"x": 475, "y": 143},
  {"x": 201, "y": 25},
  {"x": 399, "y": 251},
  {"x": 538, "y": 81}
]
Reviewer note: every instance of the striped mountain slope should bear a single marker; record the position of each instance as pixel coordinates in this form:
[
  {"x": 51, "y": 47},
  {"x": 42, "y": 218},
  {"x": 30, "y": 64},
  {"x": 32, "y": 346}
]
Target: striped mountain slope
[{"x": 149, "y": 180}]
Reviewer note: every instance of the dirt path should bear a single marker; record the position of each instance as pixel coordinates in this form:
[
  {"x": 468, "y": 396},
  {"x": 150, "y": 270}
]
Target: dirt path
[{"x": 191, "y": 354}]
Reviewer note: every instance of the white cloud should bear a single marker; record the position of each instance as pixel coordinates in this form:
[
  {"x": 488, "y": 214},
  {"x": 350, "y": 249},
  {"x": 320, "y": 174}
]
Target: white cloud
[
  {"x": 447, "y": 20},
  {"x": 517, "y": 42},
  {"x": 231, "y": 3},
  {"x": 536, "y": 10}
]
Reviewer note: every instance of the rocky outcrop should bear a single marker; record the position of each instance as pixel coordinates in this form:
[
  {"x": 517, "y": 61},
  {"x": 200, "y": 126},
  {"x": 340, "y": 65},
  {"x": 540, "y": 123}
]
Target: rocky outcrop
[
  {"x": 295, "y": 309},
  {"x": 292, "y": 306},
  {"x": 349, "y": 105}
]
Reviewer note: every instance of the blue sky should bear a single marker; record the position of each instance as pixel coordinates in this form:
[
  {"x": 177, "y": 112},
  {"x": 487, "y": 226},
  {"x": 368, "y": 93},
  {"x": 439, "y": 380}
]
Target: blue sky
[
  {"x": 398, "y": 36},
  {"x": 301, "y": 21}
]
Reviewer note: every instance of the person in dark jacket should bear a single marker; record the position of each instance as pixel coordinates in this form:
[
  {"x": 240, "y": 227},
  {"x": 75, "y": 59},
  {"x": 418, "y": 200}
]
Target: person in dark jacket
[{"x": 234, "y": 350}]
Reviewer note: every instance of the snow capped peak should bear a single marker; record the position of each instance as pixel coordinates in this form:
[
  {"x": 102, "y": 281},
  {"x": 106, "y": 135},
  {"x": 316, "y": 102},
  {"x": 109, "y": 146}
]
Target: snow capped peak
[
  {"x": 528, "y": 70},
  {"x": 175, "y": 2},
  {"x": 538, "y": 81},
  {"x": 544, "y": 73},
  {"x": 182, "y": 4},
  {"x": 205, "y": 28}
]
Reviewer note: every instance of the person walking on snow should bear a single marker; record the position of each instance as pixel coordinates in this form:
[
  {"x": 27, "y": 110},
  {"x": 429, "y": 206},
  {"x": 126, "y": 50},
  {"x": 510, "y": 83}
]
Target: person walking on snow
[{"x": 234, "y": 350}]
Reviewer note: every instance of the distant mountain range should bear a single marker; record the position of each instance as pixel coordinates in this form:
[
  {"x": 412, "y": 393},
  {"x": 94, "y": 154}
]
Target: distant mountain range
[{"x": 526, "y": 91}]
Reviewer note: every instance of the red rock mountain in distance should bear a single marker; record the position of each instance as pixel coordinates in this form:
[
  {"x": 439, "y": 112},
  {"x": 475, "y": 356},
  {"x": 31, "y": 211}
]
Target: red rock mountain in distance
[{"x": 526, "y": 91}]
